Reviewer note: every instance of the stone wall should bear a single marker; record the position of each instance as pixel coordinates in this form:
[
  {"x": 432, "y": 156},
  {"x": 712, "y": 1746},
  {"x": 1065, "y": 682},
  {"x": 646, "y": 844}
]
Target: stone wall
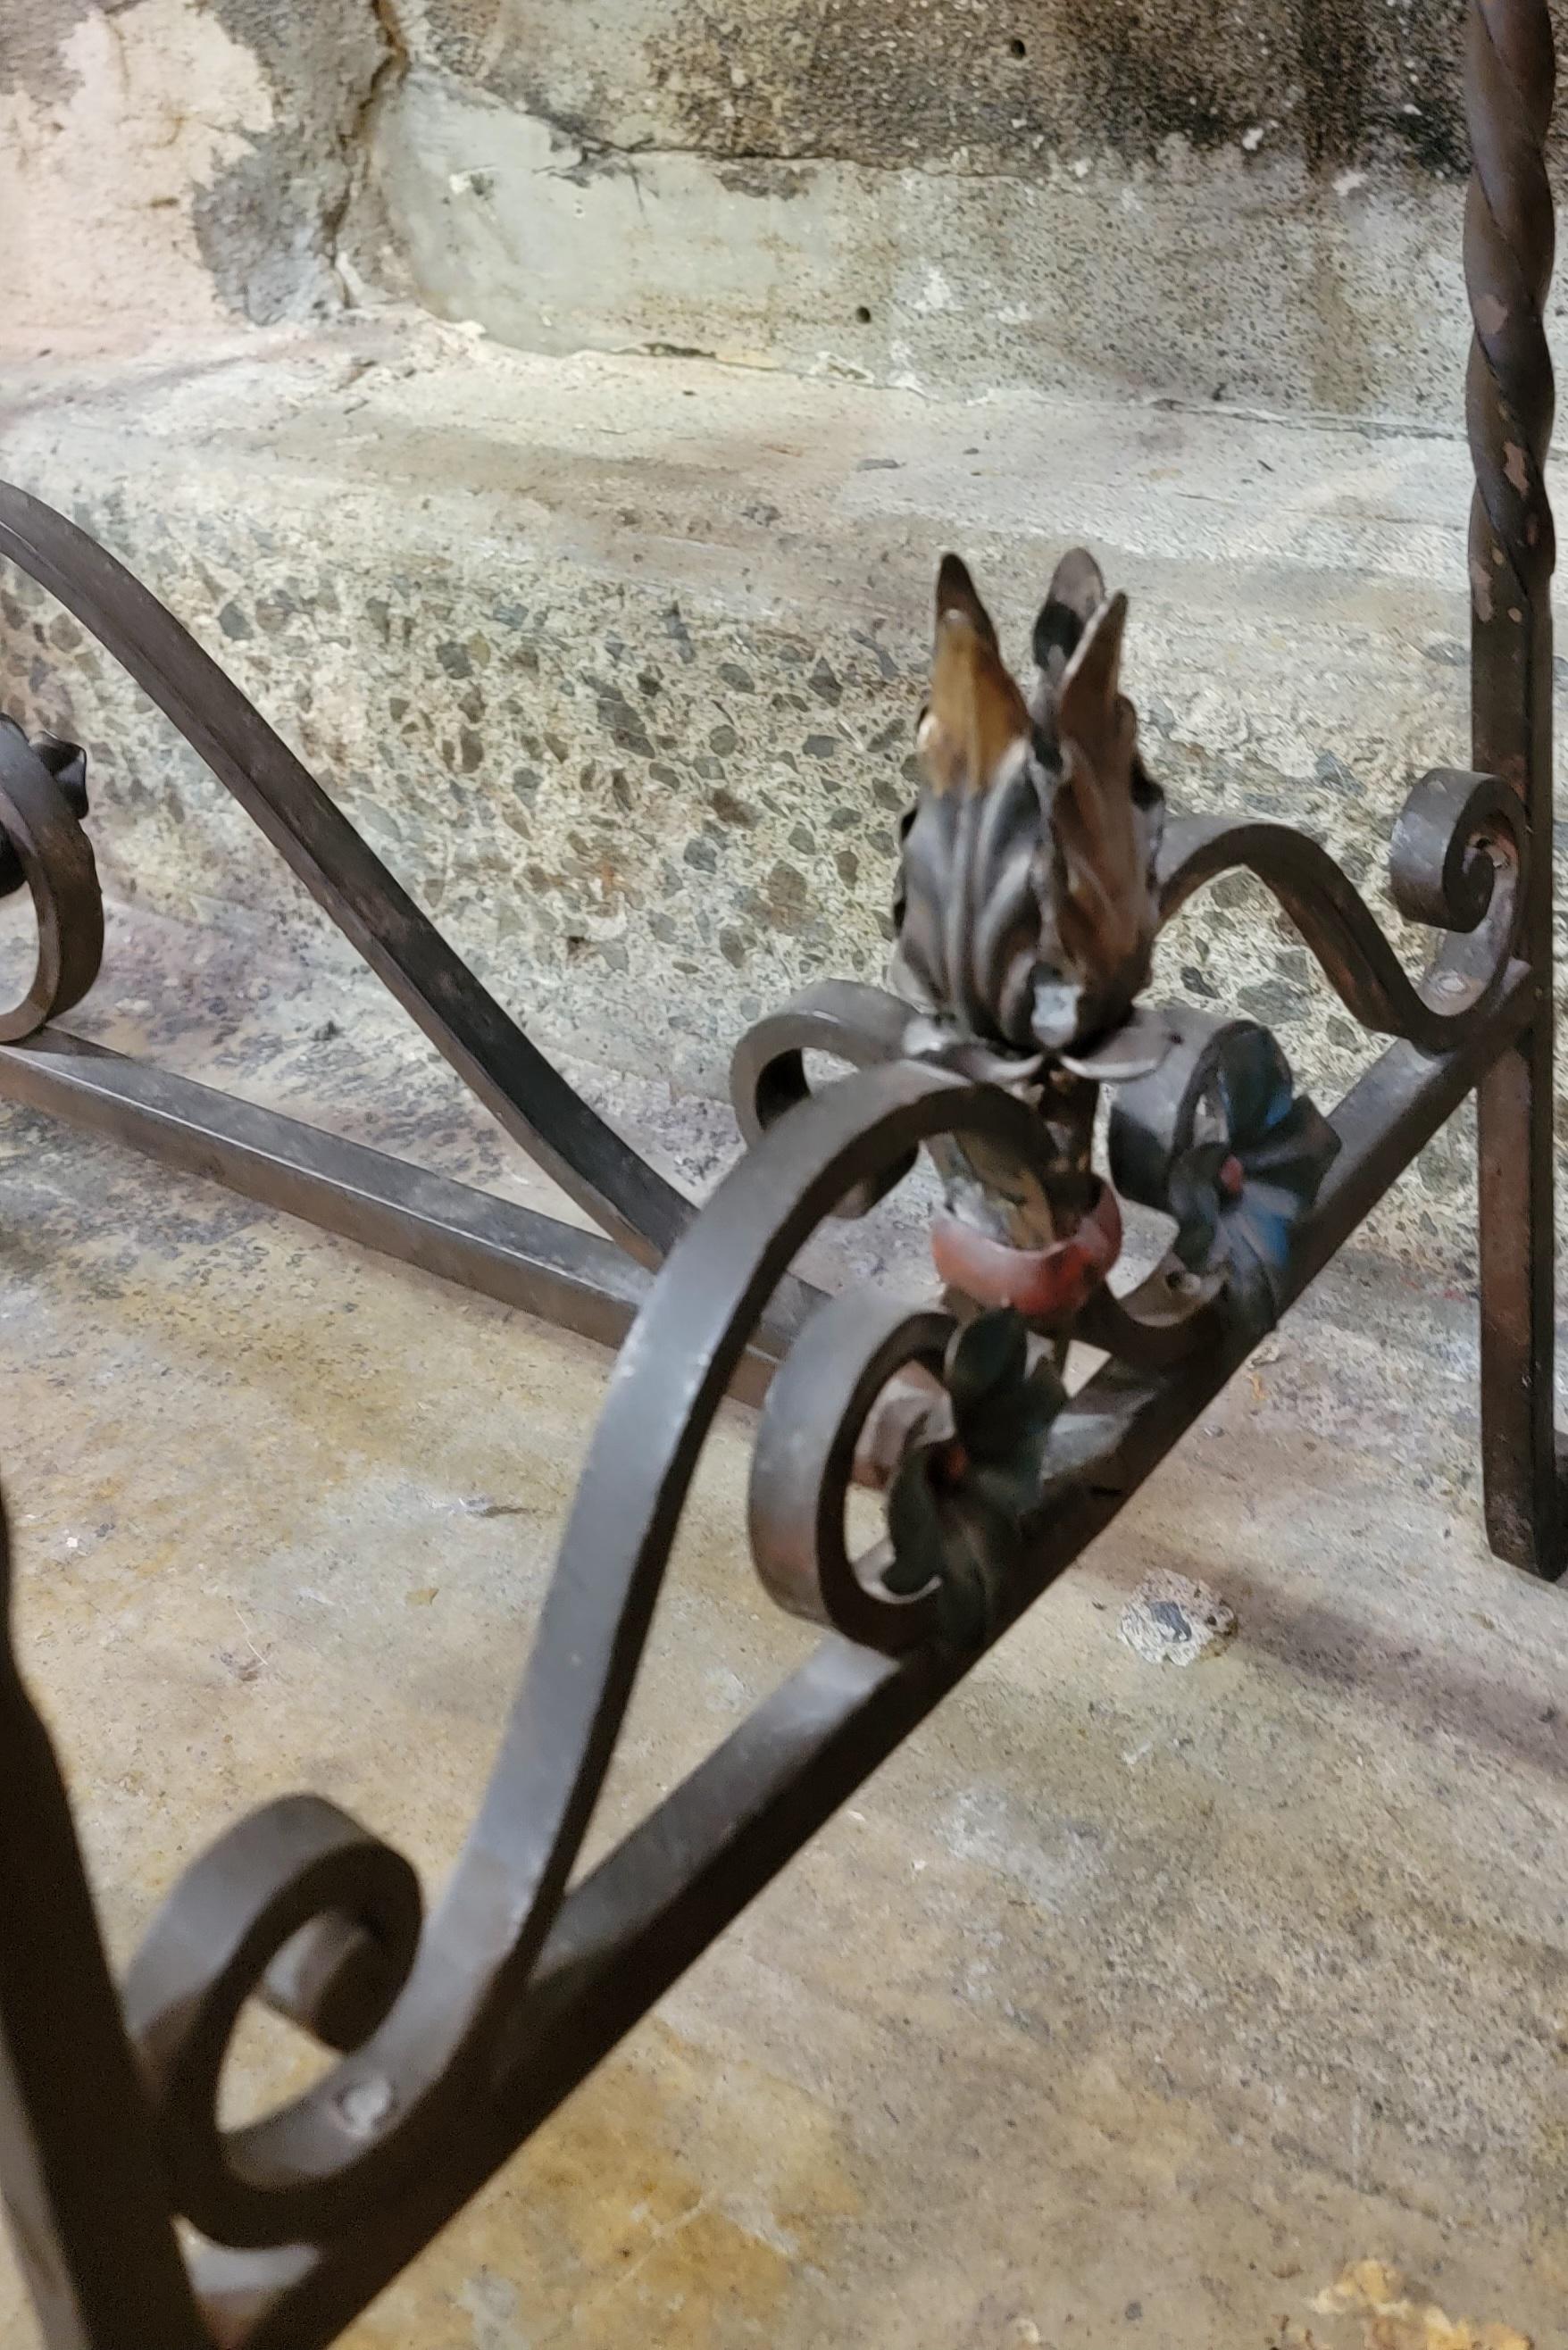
[
  {"x": 1252, "y": 205},
  {"x": 1255, "y": 206}
]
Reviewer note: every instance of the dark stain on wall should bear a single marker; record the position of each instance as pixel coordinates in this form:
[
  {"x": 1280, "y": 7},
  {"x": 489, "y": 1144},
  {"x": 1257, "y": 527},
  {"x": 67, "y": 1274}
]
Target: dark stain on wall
[
  {"x": 1133, "y": 73},
  {"x": 1332, "y": 84},
  {"x": 1336, "y": 73},
  {"x": 1335, "y": 83},
  {"x": 765, "y": 86},
  {"x": 267, "y": 224}
]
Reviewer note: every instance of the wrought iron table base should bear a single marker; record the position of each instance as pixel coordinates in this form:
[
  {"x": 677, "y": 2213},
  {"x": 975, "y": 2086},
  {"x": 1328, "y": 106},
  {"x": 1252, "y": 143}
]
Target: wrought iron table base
[{"x": 1037, "y": 868}]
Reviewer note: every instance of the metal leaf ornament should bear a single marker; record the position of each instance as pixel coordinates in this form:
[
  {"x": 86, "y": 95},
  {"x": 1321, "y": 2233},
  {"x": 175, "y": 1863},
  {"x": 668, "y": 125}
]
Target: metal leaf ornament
[
  {"x": 1025, "y": 907},
  {"x": 1097, "y": 905},
  {"x": 968, "y": 922}
]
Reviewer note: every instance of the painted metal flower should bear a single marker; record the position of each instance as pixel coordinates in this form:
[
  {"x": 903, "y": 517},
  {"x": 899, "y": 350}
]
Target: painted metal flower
[
  {"x": 958, "y": 1504},
  {"x": 1239, "y": 1191}
]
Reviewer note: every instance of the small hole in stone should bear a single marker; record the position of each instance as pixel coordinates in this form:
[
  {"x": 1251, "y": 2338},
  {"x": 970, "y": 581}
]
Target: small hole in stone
[
  {"x": 1018, "y": 49},
  {"x": 863, "y": 314}
]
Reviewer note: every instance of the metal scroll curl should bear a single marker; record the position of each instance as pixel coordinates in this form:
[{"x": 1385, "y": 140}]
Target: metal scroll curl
[
  {"x": 844, "y": 1021},
  {"x": 1457, "y": 864},
  {"x": 296, "y": 1904},
  {"x": 43, "y": 798},
  {"x": 425, "y": 2006},
  {"x": 813, "y": 1421},
  {"x": 963, "y": 1455},
  {"x": 1217, "y": 1136}
]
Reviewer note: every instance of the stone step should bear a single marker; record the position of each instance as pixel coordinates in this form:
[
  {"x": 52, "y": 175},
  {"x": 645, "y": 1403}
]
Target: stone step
[{"x": 618, "y": 661}]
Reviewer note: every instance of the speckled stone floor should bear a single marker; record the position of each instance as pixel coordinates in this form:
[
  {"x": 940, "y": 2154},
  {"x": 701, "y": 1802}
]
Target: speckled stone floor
[
  {"x": 1125, "y": 2006},
  {"x": 618, "y": 662}
]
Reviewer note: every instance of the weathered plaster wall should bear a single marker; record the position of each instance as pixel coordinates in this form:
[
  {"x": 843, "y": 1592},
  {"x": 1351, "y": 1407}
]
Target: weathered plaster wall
[
  {"x": 1253, "y": 205},
  {"x": 974, "y": 85},
  {"x": 1256, "y": 205},
  {"x": 169, "y": 165}
]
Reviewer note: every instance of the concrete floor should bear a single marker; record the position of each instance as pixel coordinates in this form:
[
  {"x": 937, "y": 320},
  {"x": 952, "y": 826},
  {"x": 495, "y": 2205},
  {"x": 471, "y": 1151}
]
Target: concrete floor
[{"x": 1223, "y": 2010}]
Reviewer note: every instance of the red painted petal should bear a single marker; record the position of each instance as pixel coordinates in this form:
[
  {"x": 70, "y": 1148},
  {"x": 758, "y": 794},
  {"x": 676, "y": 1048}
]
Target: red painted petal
[{"x": 1042, "y": 1284}]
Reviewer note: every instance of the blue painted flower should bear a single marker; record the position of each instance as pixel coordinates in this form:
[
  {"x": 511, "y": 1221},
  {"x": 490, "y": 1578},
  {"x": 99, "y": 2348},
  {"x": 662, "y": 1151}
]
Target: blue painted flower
[{"x": 1238, "y": 1194}]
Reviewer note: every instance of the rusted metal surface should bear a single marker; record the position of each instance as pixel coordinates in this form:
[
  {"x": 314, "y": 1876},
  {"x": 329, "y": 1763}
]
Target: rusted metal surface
[
  {"x": 577, "y": 1280},
  {"x": 42, "y": 803},
  {"x": 1037, "y": 869},
  {"x": 1508, "y": 402},
  {"x": 89, "y": 2213}
]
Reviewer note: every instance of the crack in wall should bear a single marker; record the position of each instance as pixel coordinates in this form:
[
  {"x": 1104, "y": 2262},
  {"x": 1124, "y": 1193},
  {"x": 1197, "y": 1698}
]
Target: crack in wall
[
  {"x": 1280, "y": 183},
  {"x": 601, "y": 155},
  {"x": 391, "y": 70}
]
